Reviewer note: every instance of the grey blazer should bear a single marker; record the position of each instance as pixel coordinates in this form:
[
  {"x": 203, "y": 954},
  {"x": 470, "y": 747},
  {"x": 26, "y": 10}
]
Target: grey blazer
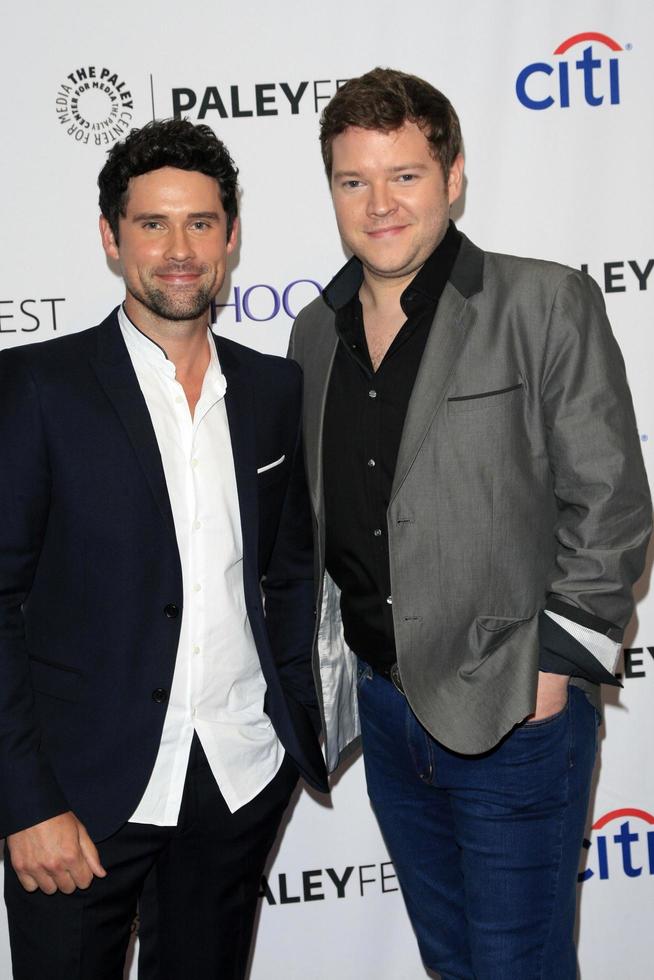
[{"x": 519, "y": 478}]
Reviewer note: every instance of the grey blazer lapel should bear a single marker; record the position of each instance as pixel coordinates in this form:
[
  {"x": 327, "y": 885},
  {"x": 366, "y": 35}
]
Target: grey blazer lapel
[
  {"x": 455, "y": 317},
  {"x": 317, "y": 367}
]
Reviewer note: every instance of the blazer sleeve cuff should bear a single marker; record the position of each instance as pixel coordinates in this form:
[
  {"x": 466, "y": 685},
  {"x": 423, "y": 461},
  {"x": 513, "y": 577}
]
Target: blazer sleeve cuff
[
  {"x": 580, "y": 617},
  {"x": 29, "y": 801}
]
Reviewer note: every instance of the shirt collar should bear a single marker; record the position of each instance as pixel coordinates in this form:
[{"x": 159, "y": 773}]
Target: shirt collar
[
  {"x": 428, "y": 281},
  {"x": 143, "y": 347},
  {"x": 215, "y": 382}
]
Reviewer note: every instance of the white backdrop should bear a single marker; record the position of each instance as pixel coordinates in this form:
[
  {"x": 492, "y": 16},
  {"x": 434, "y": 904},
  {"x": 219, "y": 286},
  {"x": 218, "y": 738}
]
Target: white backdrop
[{"x": 559, "y": 154}]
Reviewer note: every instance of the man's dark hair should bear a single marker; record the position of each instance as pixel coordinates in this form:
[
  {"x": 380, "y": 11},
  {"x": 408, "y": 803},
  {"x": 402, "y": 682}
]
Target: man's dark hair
[
  {"x": 166, "y": 143},
  {"x": 384, "y": 99}
]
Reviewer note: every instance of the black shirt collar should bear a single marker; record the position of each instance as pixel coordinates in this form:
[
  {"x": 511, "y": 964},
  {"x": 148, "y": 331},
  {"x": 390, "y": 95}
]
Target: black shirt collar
[{"x": 427, "y": 284}]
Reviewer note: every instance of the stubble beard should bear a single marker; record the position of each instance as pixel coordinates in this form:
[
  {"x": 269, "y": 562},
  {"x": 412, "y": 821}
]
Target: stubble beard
[{"x": 175, "y": 308}]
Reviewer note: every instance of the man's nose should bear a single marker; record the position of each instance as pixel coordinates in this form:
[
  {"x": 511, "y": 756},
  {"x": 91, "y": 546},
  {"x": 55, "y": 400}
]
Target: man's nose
[
  {"x": 381, "y": 201},
  {"x": 179, "y": 245}
]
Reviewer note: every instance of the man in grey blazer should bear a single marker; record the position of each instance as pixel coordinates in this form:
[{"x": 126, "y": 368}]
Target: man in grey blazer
[{"x": 482, "y": 513}]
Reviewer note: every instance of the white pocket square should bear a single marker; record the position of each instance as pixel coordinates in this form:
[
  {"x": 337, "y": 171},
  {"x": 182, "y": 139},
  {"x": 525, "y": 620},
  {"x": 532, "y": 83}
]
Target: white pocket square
[{"x": 269, "y": 466}]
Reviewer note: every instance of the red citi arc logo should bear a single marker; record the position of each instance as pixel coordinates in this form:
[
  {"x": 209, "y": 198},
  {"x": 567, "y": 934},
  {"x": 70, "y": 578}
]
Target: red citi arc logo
[
  {"x": 626, "y": 848},
  {"x": 590, "y": 78}
]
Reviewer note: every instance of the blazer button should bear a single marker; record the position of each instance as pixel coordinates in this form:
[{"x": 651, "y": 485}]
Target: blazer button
[
  {"x": 160, "y": 695},
  {"x": 171, "y": 611}
]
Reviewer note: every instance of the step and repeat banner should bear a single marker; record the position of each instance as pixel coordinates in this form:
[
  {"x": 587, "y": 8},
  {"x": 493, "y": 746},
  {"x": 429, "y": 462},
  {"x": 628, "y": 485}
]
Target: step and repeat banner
[{"x": 555, "y": 105}]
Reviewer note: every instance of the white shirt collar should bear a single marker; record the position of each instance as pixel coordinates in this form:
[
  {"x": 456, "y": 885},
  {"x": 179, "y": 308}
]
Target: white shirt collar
[{"x": 142, "y": 347}]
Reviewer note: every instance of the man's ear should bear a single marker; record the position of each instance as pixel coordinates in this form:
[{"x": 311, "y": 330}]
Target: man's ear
[
  {"x": 455, "y": 179},
  {"x": 109, "y": 243},
  {"x": 232, "y": 241}
]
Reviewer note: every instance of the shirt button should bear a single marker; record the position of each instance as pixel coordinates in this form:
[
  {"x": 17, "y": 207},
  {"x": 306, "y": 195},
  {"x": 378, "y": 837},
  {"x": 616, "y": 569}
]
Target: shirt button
[
  {"x": 372, "y": 393},
  {"x": 371, "y": 463},
  {"x": 197, "y": 587},
  {"x": 160, "y": 695},
  {"x": 196, "y": 650},
  {"x": 377, "y": 532},
  {"x": 171, "y": 611},
  {"x": 179, "y": 399},
  {"x": 196, "y": 525},
  {"x": 389, "y": 600},
  {"x": 194, "y": 712},
  {"x": 194, "y": 462}
]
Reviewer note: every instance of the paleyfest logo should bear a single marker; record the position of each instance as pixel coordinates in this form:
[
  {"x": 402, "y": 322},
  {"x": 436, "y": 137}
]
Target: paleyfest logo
[
  {"x": 591, "y": 75},
  {"x": 95, "y": 106},
  {"x": 622, "y": 844}
]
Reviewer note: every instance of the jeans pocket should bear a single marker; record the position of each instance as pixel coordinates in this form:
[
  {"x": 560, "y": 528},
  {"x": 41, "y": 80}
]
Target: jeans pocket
[{"x": 550, "y": 720}]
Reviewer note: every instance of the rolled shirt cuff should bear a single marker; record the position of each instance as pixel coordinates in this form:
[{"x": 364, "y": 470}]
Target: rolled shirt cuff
[{"x": 567, "y": 647}]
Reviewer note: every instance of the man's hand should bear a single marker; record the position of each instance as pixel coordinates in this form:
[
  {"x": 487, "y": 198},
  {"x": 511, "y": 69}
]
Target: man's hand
[
  {"x": 551, "y": 696},
  {"x": 55, "y": 854}
]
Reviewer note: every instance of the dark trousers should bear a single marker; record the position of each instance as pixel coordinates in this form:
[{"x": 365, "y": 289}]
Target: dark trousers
[
  {"x": 486, "y": 848},
  {"x": 204, "y": 876}
]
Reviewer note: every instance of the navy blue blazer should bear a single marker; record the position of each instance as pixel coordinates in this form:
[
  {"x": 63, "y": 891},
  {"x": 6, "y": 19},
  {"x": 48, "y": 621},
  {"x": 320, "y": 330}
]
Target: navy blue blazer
[{"x": 91, "y": 582}]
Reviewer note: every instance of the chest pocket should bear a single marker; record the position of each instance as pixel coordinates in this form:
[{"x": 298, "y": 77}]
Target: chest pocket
[
  {"x": 488, "y": 428},
  {"x": 270, "y": 472},
  {"x": 486, "y": 401}
]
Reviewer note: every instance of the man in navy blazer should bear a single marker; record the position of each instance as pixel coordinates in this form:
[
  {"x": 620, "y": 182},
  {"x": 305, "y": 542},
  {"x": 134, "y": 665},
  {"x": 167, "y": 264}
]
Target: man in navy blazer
[{"x": 156, "y": 596}]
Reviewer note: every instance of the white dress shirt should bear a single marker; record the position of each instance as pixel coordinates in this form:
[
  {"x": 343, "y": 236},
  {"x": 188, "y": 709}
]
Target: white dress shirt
[{"x": 218, "y": 686}]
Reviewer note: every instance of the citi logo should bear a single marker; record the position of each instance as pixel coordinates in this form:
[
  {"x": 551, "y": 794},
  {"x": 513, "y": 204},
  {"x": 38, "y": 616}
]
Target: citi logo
[
  {"x": 625, "y": 846},
  {"x": 593, "y": 76}
]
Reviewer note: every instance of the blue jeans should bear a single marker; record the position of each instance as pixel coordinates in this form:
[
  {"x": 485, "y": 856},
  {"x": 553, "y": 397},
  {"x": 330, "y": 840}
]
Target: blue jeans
[{"x": 486, "y": 848}]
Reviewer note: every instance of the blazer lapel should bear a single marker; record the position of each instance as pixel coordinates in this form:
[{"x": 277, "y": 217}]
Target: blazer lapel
[
  {"x": 239, "y": 402},
  {"x": 114, "y": 370},
  {"x": 317, "y": 368},
  {"x": 454, "y": 319}
]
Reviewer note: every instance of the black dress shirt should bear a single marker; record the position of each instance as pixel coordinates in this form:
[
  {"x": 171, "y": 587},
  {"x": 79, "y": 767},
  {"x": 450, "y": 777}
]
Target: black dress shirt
[{"x": 364, "y": 418}]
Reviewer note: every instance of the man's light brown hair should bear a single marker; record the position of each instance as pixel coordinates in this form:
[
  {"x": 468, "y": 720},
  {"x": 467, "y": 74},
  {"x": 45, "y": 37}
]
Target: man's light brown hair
[{"x": 384, "y": 99}]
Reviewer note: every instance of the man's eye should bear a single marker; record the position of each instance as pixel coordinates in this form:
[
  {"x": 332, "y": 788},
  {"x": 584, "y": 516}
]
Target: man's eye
[
  {"x": 151, "y": 224},
  {"x": 406, "y": 178},
  {"x": 352, "y": 183},
  {"x": 200, "y": 225}
]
